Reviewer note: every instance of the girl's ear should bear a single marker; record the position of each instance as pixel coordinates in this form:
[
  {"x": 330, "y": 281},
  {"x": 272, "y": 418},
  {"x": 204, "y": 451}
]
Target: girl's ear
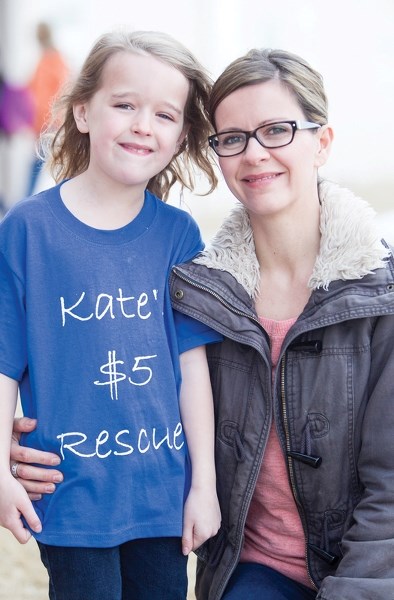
[
  {"x": 325, "y": 137},
  {"x": 80, "y": 116}
]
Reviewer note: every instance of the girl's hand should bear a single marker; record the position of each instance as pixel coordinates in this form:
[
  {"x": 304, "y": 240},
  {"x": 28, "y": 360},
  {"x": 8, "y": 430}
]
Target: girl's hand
[
  {"x": 201, "y": 518},
  {"x": 14, "y": 503}
]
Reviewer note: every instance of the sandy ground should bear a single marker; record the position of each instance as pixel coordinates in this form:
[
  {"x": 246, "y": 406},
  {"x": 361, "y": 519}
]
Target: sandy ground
[{"x": 23, "y": 577}]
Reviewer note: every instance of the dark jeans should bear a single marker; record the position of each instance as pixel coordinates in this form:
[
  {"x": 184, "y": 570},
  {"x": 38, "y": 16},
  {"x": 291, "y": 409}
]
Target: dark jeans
[
  {"x": 257, "y": 582},
  {"x": 148, "y": 569}
]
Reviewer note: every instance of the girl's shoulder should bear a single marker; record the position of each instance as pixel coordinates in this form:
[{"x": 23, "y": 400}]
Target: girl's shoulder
[
  {"x": 174, "y": 213},
  {"x": 31, "y": 206}
]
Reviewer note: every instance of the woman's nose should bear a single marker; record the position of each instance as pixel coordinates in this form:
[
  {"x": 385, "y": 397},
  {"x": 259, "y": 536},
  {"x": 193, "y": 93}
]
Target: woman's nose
[{"x": 255, "y": 152}]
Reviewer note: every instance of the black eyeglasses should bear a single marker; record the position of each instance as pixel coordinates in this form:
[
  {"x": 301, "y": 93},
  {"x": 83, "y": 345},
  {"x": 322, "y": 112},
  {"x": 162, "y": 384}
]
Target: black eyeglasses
[{"x": 273, "y": 135}]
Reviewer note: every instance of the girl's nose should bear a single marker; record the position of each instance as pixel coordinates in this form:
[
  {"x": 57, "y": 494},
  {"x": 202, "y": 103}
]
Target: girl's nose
[{"x": 141, "y": 123}]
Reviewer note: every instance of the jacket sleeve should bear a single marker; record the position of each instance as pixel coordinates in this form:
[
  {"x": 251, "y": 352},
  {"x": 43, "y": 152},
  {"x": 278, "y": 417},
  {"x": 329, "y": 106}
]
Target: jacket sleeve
[{"x": 366, "y": 570}]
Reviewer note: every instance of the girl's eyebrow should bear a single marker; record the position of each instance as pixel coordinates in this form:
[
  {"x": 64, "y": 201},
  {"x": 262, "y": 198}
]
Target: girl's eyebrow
[
  {"x": 121, "y": 96},
  {"x": 165, "y": 103},
  {"x": 173, "y": 107}
]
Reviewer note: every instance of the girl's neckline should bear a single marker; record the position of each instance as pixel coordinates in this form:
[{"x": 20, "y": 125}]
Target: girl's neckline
[{"x": 129, "y": 232}]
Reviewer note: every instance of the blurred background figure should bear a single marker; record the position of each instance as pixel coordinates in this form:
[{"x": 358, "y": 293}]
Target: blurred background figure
[
  {"x": 49, "y": 76},
  {"x": 16, "y": 115},
  {"x": 16, "y": 109}
]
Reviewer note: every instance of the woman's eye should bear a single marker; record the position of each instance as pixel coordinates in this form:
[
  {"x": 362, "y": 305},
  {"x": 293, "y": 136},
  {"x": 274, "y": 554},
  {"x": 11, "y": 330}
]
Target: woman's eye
[
  {"x": 276, "y": 130},
  {"x": 232, "y": 140}
]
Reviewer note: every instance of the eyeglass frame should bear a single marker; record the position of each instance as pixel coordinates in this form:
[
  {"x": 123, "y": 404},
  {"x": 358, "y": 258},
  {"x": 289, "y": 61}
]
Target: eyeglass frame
[{"x": 297, "y": 125}]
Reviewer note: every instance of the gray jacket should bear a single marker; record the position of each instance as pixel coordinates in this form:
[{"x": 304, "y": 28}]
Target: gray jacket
[{"x": 332, "y": 398}]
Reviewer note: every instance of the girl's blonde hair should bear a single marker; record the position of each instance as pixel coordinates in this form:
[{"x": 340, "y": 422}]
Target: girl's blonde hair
[
  {"x": 261, "y": 65},
  {"x": 70, "y": 149}
]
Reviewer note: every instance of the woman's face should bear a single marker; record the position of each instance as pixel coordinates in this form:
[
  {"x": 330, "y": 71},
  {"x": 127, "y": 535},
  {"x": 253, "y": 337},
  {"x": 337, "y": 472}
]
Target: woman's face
[{"x": 268, "y": 181}]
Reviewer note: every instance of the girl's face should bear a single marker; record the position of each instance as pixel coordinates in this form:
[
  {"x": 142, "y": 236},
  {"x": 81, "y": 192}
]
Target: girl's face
[
  {"x": 135, "y": 120},
  {"x": 269, "y": 181}
]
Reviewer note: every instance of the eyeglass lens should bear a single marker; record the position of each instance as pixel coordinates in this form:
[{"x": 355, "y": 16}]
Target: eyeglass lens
[{"x": 271, "y": 136}]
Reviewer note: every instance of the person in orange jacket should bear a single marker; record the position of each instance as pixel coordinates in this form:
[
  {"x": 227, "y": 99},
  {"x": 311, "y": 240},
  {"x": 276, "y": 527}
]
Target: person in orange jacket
[{"x": 49, "y": 76}]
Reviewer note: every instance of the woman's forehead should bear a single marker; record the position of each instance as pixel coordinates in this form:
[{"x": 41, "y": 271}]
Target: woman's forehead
[{"x": 267, "y": 101}]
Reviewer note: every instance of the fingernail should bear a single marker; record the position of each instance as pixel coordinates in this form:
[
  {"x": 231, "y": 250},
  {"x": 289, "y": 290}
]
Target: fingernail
[
  {"x": 56, "y": 461},
  {"x": 58, "y": 478},
  {"x": 49, "y": 488},
  {"x": 185, "y": 551},
  {"x": 38, "y": 528}
]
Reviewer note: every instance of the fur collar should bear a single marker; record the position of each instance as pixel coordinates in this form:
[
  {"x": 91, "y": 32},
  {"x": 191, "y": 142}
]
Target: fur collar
[{"x": 350, "y": 245}]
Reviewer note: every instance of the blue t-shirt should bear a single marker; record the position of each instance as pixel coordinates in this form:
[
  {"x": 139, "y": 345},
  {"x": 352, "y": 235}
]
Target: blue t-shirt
[{"x": 87, "y": 329}]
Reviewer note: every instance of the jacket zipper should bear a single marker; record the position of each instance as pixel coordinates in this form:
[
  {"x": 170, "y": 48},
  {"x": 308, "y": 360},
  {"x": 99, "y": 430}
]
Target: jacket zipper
[
  {"x": 290, "y": 463},
  {"x": 192, "y": 282},
  {"x": 217, "y": 296}
]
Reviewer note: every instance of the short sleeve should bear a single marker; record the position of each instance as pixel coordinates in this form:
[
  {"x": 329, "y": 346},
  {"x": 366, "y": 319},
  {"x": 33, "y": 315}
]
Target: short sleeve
[
  {"x": 13, "y": 355},
  {"x": 192, "y": 333}
]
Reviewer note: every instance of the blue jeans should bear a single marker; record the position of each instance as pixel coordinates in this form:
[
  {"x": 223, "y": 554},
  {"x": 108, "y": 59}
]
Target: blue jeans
[
  {"x": 147, "y": 569},
  {"x": 258, "y": 582}
]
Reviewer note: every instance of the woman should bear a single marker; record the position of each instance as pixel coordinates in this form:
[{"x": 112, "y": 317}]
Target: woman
[{"x": 302, "y": 289}]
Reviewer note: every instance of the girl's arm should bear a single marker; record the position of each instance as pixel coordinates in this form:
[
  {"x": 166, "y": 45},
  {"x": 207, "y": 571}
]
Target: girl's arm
[
  {"x": 14, "y": 501},
  {"x": 201, "y": 514}
]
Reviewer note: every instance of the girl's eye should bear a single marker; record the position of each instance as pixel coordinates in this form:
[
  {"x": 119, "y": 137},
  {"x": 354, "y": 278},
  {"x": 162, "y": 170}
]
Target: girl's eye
[
  {"x": 124, "y": 106},
  {"x": 165, "y": 116}
]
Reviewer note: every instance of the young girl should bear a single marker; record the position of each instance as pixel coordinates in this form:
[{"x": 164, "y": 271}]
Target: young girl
[{"x": 87, "y": 331}]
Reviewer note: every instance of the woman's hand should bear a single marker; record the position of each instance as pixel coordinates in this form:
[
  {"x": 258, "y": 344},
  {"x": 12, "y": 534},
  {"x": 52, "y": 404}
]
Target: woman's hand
[{"x": 35, "y": 480}]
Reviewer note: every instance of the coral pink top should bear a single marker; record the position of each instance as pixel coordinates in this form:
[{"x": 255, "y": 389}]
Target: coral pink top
[{"x": 273, "y": 533}]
